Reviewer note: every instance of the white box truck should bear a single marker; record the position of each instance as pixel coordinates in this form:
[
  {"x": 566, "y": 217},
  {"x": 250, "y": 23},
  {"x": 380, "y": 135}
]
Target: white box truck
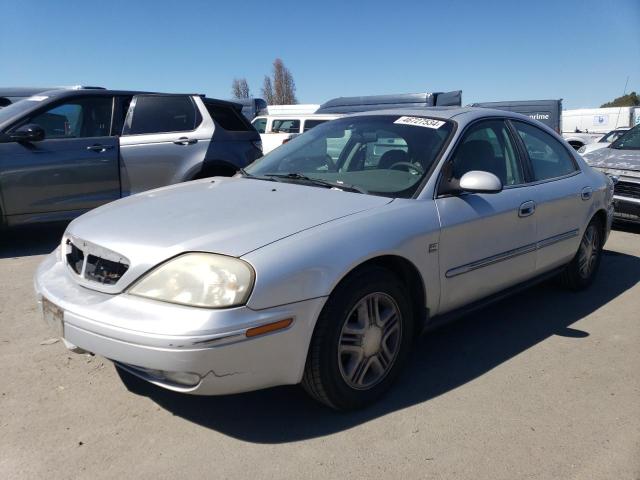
[{"x": 586, "y": 125}]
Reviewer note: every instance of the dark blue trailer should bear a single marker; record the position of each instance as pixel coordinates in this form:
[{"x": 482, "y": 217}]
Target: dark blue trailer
[
  {"x": 548, "y": 112},
  {"x": 381, "y": 102}
]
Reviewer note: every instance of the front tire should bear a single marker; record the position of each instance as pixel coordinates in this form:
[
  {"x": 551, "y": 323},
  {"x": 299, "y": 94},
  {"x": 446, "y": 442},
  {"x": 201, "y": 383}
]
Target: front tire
[
  {"x": 584, "y": 266},
  {"x": 361, "y": 340}
]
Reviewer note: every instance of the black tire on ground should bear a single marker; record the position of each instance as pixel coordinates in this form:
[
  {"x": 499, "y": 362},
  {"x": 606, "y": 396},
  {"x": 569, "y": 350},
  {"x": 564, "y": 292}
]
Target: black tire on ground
[
  {"x": 582, "y": 269},
  {"x": 323, "y": 377}
]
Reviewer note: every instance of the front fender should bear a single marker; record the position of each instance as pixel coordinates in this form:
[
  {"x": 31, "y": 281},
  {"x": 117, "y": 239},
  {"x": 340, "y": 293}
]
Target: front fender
[{"x": 311, "y": 263}]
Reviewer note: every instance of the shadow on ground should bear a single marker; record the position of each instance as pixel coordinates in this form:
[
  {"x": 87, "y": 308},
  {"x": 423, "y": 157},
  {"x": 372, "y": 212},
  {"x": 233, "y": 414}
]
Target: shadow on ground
[
  {"x": 441, "y": 361},
  {"x": 32, "y": 240}
]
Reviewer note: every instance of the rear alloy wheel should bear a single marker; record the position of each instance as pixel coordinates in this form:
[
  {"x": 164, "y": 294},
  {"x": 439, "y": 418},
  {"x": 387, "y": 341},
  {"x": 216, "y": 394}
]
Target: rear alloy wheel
[
  {"x": 361, "y": 340},
  {"x": 583, "y": 268}
]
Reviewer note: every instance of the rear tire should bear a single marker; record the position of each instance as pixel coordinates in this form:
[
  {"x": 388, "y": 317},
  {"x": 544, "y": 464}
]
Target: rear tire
[
  {"x": 361, "y": 340},
  {"x": 582, "y": 269}
]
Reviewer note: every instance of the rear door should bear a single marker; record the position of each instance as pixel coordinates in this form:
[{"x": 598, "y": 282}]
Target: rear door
[
  {"x": 562, "y": 194},
  {"x": 75, "y": 167},
  {"x": 164, "y": 141}
]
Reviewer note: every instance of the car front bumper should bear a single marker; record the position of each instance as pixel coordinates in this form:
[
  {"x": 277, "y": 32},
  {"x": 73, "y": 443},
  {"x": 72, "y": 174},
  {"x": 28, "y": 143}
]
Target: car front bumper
[
  {"x": 626, "y": 208},
  {"x": 156, "y": 340}
]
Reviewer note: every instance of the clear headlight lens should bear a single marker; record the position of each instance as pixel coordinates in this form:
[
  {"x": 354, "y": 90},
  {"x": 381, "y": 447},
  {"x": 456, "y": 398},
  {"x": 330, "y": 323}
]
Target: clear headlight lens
[
  {"x": 198, "y": 280},
  {"x": 582, "y": 149}
]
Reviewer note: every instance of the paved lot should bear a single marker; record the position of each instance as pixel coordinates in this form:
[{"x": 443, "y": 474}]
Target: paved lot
[{"x": 543, "y": 385}]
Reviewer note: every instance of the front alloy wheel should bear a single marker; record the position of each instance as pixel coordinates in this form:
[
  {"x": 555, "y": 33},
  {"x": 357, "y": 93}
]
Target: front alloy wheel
[
  {"x": 361, "y": 340},
  {"x": 370, "y": 341}
]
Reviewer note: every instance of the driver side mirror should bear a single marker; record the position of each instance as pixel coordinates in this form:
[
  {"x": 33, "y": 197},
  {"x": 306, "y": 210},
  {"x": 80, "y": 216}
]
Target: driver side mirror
[
  {"x": 28, "y": 133},
  {"x": 477, "y": 181}
]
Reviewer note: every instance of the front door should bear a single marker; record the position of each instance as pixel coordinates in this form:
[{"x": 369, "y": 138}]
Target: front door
[
  {"x": 487, "y": 241},
  {"x": 164, "y": 141},
  {"x": 75, "y": 167}
]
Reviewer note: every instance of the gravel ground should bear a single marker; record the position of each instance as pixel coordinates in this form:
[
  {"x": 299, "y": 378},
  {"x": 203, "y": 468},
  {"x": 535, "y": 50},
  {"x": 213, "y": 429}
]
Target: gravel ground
[{"x": 543, "y": 385}]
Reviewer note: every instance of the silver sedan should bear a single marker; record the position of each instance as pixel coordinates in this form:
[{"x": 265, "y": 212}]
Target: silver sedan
[{"x": 321, "y": 262}]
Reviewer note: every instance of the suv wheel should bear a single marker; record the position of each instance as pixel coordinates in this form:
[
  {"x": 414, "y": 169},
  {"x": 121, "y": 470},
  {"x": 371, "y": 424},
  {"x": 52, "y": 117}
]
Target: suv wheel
[
  {"x": 579, "y": 274},
  {"x": 361, "y": 341}
]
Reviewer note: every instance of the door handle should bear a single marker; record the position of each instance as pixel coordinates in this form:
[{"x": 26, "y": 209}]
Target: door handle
[
  {"x": 586, "y": 193},
  {"x": 99, "y": 148},
  {"x": 185, "y": 141},
  {"x": 527, "y": 209}
]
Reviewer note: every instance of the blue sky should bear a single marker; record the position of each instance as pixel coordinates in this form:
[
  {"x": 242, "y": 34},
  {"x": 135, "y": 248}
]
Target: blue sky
[{"x": 581, "y": 51}]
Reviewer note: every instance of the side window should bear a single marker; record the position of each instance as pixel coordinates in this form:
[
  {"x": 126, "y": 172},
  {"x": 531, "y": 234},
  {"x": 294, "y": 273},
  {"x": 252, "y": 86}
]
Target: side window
[
  {"x": 309, "y": 124},
  {"x": 285, "y": 126},
  {"x": 487, "y": 146},
  {"x": 84, "y": 117},
  {"x": 161, "y": 114},
  {"x": 548, "y": 157},
  {"x": 227, "y": 117},
  {"x": 260, "y": 124}
]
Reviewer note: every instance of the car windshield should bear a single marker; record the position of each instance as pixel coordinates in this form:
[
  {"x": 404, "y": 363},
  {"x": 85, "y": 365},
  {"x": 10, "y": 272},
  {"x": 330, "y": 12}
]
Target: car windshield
[
  {"x": 628, "y": 141},
  {"x": 385, "y": 155},
  {"x": 612, "y": 136}
]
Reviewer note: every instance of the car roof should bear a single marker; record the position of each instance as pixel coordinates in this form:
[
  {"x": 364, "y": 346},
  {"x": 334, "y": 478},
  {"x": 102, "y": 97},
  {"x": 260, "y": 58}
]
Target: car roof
[
  {"x": 62, "y": 93},
  {"x": 67, "y": 92}
]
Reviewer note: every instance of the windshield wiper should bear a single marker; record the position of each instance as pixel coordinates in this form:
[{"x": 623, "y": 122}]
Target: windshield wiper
[
  {"x": 246, "y": 174},
  {"x": 317, "y": 181}
]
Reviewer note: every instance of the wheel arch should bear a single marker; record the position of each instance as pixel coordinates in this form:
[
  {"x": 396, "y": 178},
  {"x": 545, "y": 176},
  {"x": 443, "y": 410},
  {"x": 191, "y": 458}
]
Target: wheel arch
[
  {"x": 576, "y": 144},
  {"x": 601, "y": 216},
  {"x": 213, "y": 168},
  {"x": 407, "y": 273}
]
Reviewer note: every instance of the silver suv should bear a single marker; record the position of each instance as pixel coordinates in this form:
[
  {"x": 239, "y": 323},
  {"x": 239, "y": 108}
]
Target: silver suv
[{"x": 64, "y": 152}]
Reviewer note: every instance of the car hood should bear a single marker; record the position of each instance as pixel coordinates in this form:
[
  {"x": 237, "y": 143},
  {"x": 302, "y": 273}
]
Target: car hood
[
  {"x": 229, "y": 216},
  {"x": 611, "y": 158}
]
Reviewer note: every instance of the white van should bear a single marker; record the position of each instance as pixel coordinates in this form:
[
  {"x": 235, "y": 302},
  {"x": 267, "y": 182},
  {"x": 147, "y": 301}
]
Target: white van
[{"x": 275, "y": 130}]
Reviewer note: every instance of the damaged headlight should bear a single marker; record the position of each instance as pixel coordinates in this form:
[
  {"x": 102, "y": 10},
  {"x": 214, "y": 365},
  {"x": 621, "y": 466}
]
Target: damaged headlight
[{"x": 198, "y": 280}]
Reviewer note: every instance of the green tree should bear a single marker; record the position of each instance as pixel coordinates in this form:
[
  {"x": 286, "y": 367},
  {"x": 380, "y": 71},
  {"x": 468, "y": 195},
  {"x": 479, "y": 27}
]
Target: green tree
[{"x": 629, "y": 100}]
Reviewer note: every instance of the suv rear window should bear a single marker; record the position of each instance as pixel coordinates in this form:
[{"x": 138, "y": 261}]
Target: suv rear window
[
  {"x": 161, "y": 114},
  {"x": 228, "y": 118}
]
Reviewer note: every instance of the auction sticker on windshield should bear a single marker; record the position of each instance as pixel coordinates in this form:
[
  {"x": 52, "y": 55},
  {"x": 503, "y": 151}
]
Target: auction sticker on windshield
[{"x": 420, "y": 122}]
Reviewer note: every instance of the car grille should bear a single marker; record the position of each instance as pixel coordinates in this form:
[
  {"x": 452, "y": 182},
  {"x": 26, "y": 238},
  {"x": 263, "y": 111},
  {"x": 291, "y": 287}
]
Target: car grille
[
  {"x": 627, "y": 189},
  {"x": 94, "y": 268}
]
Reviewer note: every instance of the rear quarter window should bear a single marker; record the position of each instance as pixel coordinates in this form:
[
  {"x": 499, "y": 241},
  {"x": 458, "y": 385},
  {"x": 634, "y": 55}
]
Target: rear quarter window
[{"x": 228, "y": 118}]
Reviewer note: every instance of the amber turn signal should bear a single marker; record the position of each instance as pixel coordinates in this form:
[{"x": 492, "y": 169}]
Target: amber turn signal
[{"x": 269, "y": 327}]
